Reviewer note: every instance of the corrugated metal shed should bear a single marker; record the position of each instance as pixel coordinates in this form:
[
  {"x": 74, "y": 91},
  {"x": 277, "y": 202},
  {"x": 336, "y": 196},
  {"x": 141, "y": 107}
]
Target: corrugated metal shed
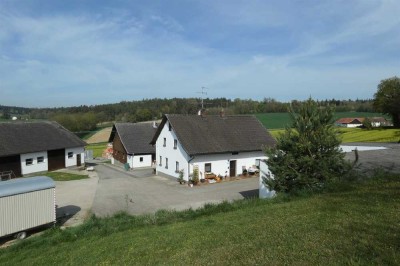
[
  {"x": 26, "y": 203},
  {"x": 23, "y": 185}
]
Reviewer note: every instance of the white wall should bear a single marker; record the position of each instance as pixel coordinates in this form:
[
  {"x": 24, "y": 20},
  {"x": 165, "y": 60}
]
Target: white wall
[
  {"x": 35, "y": 167},
  {"x": 173, "y": 155},
  {"x": 264, "y": 192},
  {"x": 72, "y": 161},
  {"x": 134, "y": 160},
  {"x": 220, "y": 163}
]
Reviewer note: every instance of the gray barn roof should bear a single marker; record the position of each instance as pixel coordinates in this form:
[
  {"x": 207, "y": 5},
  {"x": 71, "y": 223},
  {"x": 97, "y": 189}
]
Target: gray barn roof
[
  {"x": 25, "y": 185},
  {"x": 25, "y": 137},
  {"x": 135, "y": 137},
  {"x": 216, "y": 134}
]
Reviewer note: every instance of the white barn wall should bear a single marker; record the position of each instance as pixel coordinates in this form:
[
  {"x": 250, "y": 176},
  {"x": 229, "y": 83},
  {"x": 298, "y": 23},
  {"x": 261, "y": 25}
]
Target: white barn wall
[
  {"x": 35, "y": 166},
  {"x": 173, "y": 155},
  {"x": 72, "y": 161}
]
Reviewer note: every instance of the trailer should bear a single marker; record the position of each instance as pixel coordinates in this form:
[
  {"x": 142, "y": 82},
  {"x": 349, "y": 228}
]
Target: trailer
[{"x": 26, "y": 203}]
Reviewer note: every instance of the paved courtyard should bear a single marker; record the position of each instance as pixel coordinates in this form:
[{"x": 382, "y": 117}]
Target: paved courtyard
[{"x": 139, "y": 192}]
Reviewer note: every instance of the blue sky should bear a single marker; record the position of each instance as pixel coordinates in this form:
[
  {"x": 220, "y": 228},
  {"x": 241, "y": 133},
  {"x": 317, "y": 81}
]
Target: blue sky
[{"x": 66, "y": 53}]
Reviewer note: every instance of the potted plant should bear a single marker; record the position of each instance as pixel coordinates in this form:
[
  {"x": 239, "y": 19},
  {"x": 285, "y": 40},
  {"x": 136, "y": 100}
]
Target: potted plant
[
  {"x": 195, "y": 178},
  {"x": 180, "y": 178}
]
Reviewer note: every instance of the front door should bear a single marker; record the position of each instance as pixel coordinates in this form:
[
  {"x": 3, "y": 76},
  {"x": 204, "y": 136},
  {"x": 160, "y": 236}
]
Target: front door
[
  {"x": 232, "y": 168},
  {"x": 78, "y": 159}
]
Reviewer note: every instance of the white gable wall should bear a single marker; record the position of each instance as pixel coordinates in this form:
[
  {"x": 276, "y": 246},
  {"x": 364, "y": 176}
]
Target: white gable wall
[
  {"x": 35, "y": 166},
  {"x": 173, "y": 155},
  {"x": 72, "y": 161}
]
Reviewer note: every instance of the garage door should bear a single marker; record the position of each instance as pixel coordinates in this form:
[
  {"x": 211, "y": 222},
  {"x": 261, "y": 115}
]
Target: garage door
[{"x": 56, "y": 159}]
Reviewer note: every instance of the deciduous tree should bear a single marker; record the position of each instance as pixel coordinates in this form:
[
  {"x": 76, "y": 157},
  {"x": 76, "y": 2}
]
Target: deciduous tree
[{"x": 387, "y": 99}]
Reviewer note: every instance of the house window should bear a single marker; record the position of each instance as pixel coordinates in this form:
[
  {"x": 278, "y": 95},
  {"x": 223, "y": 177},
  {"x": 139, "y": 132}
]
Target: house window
[
  {"x": 29, "y": 161},
  {"x": 141, "y": 159},
  {"x": 166, "y": 163},
  {"x": 175, "y": 144},
  {"x": 165, "y": 142},
  {"x": 177, "y": 167},
  {"x": 40, "y": 159},
  {"x": 169, "y": 127},
  {"x": 70, "y": 154},
  {"x": 160, "y": 160},
  {"x": 207, "y": 168}
]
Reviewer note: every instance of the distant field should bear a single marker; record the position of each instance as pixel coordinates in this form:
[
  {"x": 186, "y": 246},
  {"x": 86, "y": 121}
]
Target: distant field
[
  {"x": 280, "y": 120},
  {"x": 360, "y": 134},
  {"x": 97, "y": 148}
]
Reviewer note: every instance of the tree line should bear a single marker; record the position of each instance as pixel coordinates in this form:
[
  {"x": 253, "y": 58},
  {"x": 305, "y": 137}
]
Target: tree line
[{"x": 85, "y": 117}]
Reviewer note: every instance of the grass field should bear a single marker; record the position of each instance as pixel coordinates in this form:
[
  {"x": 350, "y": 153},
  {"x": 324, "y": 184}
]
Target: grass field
[
  {"x": 280, "y": 120},
  {"x": 352, "y": 223},
  {"x": 97, "y": 148},
  {"x": 360, "y": 134},
  {"x": 63, "y": 176}
]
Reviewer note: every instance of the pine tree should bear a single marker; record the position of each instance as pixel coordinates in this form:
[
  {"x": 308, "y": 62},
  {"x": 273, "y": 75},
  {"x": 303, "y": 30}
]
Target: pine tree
[{"x": 307, "y": 154}]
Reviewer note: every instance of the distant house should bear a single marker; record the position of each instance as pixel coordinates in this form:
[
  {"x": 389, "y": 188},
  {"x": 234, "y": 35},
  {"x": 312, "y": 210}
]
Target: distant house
[
  {"x": 221, "y": 145},
  {"x": 349, "y": 122},
  {"x": 358, "y": 122},
  {"x": 131, "y": 143},
  {"x": 29, "y": 147}
]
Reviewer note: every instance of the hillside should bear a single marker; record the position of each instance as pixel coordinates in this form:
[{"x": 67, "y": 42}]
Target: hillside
[{"x": 354, "y": 223}]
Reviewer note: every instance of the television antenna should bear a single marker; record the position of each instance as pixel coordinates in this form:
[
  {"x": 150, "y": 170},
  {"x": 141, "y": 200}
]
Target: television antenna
[{"x": 202, "y": 92}]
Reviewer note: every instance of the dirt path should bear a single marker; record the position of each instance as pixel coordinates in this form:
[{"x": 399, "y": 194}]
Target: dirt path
[{"x": 100, "y": 136}]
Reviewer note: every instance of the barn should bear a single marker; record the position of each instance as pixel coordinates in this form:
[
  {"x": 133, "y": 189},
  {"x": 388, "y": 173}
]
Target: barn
[
  {"x": 131, "y": 143},
  {"x": 30, "y": 147}
]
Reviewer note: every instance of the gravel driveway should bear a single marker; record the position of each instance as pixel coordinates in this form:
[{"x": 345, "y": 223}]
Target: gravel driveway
[{"x": 139, "y": 192}]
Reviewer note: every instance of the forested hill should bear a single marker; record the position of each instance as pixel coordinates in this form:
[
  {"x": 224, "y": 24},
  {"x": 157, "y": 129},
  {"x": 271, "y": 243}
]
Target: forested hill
[{"x": 85, "y": 117}]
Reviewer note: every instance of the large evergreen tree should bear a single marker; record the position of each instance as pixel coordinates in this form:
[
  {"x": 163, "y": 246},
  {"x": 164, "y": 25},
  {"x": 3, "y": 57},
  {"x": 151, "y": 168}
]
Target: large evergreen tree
[{"x": 307, "y": 154}]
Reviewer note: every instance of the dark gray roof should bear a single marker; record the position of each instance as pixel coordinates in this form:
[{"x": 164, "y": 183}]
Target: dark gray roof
[
  {"x": 216, "y": 134},
  {"x": 25, "y": 137},
  {"x": 24, "y": 185},
  {"x": 135, "y": 137}
]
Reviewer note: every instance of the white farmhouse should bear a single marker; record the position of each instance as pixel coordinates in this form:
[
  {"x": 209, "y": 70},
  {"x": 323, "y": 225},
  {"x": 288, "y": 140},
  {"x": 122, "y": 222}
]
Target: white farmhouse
[
  {"x": 30, "y": 147},
  {"x": 221, "y": 145}
]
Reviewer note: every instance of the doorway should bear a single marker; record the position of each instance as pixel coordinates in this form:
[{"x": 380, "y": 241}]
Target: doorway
[
  {"x": 78, "y": 159},
  {"x": 232, "y": 168}
]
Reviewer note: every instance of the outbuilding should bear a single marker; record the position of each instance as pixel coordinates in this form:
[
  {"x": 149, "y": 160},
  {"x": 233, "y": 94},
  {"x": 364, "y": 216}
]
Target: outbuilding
[
  {"x": 131, "y": 143},
  {"x": 31, "y": 147},
  {"x": 26, "y": 203}
]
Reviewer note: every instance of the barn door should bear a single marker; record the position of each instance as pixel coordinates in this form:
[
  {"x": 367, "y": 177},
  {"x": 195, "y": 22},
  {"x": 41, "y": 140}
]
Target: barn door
[
  {"x": 232, "y": 168},
  {"x": 56, "y": 159}
]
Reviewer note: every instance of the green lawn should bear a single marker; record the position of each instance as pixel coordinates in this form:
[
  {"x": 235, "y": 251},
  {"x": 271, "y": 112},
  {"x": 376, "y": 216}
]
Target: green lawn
[
  {"x": 62, "y": 176},
  {"x": 97, "y": 148},
  {"x": 351, "y": 223},
  {"x": 280, "y": 120}
]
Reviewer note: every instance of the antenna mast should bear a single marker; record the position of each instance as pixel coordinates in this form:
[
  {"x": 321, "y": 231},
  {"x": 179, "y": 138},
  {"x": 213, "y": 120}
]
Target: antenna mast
[{"x": 202, "y": 92}]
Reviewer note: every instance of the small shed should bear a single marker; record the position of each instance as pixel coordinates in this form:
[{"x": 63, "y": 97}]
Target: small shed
[{"x": 26, "y": 203}]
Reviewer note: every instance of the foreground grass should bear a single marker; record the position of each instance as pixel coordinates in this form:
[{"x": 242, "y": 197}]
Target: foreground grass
[
  {"x": 97, "y": 148},
  {"x": 355, "y": 223}
]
